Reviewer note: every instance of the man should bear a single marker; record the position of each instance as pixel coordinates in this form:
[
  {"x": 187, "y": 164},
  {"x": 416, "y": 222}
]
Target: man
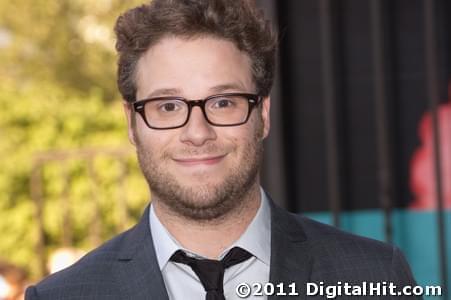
[{"x": 196, "y": 76}]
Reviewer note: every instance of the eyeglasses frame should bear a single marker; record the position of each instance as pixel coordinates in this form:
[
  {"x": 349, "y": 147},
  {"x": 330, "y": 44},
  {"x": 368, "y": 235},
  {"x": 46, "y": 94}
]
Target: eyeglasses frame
[{"x": 253, "y": 101}]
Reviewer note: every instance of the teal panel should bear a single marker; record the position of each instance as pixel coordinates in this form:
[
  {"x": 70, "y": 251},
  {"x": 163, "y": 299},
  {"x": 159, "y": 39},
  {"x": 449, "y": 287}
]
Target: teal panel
[{"x": 414, "y": 232}]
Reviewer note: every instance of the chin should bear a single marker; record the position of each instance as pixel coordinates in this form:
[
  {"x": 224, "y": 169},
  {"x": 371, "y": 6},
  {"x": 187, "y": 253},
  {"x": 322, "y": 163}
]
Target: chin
[
  {"x": 212, "y": 176},
  {"x": 201, "y": 182}
]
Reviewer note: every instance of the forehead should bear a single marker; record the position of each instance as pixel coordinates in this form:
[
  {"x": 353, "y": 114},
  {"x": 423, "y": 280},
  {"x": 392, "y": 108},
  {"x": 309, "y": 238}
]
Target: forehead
[{"x": 193, "y": 68}]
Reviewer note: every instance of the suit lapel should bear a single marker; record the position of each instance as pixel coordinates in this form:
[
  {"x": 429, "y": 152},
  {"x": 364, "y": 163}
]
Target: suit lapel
[
  {"x": 140, "y": 277},
  {"x": 138, "y": 271},
  {"x": 291, "y": 259}
]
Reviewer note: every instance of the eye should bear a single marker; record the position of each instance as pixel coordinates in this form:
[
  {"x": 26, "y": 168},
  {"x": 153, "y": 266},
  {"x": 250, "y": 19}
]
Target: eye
[
  {"x": 223, "y": 103},
  {"x": 169, "y": 106}
]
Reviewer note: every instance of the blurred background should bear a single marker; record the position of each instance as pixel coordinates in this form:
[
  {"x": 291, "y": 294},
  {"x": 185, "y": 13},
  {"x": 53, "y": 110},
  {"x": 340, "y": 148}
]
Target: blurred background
[
  {"x": 360, "y": 137},
  {"x": 68, "y": 177},
  {"x": 361, "y": 122}
]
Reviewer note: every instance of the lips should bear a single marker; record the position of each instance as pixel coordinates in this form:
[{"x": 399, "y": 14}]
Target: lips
[{"x": 206, "y": 160}]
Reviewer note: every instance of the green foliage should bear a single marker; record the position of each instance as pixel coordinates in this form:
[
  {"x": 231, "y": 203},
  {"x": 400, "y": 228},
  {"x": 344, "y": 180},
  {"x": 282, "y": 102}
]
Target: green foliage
[
  {"x": 58, "y": 95},
  {"x": 66, "y": 42},
  {"x": 36, "y": 120}
]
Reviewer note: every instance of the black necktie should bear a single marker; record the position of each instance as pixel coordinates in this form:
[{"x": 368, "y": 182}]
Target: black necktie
[{"x": 211, "y": 272}]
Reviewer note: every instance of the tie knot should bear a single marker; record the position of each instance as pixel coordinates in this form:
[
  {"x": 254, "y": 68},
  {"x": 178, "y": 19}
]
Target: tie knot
[{"x": 210, "y": 271}]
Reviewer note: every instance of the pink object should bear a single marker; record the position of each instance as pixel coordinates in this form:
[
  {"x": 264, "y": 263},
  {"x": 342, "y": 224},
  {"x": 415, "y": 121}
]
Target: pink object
[{"x": 422, "y": 172}]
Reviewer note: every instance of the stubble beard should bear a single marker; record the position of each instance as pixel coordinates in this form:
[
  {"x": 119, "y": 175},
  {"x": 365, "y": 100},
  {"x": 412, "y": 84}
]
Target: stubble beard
[{"x": 204, "y": 202}]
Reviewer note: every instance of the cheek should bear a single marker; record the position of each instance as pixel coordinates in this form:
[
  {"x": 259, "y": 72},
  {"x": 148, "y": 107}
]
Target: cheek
[
  {"x": 154, "y": 141},
  {"x": 243, "y": 139},
  {"x": 256, "y": 127}
]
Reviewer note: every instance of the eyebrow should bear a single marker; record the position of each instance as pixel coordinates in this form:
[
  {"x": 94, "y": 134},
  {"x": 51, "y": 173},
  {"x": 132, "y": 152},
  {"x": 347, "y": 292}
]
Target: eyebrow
[
  {"x": 215, "y": 89},
  {"x": 164, "y": 92},
  {"x": 228, "y": 87}
]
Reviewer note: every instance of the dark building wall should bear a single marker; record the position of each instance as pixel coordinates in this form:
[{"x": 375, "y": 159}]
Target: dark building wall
[{"x": 302, "y": 115}]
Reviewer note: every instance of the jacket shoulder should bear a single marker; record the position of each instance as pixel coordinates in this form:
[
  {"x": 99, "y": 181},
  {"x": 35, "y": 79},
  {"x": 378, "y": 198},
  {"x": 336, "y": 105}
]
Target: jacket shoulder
[
  {"x": 91, "y": 275},
  {"x": 350, "y": 257}
]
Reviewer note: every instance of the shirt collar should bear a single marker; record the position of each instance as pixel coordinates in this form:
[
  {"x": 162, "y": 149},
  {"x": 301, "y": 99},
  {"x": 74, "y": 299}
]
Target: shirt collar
[{"x": 256, "y": 239}]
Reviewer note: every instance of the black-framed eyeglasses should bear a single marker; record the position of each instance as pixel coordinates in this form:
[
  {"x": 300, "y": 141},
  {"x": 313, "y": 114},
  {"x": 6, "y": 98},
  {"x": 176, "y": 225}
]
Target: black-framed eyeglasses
[{"x": 231, "y": 109}]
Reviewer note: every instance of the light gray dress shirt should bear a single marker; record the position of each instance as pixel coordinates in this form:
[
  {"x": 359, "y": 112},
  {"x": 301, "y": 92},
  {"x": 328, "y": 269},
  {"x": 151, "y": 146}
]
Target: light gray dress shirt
[{"x": 182, "y": 283}]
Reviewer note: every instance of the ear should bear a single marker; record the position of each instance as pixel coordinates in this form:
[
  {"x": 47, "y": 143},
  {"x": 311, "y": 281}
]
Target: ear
[
  {"x": 265, "y": 115},
  {"x": 130, "y": 123}
]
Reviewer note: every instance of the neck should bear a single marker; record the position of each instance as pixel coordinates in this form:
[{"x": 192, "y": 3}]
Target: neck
[{"x": 210, "y": 238}]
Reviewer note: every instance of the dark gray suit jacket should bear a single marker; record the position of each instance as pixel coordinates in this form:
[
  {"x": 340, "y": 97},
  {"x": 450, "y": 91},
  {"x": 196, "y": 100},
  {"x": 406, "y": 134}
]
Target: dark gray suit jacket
[{"x": 302, "y": 251}]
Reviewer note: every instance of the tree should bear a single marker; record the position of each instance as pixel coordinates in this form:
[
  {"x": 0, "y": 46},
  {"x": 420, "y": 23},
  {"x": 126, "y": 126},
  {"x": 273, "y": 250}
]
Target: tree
[
  {"x": 58, "y": 93},
  {"x": 69, "y": 43}
]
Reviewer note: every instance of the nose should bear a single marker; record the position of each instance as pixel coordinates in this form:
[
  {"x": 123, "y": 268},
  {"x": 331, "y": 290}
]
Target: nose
[{"x": 197, "y": 131}]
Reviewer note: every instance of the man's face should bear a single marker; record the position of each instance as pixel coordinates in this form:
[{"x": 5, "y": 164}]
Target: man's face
[{"x": 198, "y": 171}]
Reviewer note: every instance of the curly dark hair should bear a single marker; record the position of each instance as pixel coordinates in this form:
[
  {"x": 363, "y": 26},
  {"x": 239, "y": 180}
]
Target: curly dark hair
[{"x": 238, "y": 21}]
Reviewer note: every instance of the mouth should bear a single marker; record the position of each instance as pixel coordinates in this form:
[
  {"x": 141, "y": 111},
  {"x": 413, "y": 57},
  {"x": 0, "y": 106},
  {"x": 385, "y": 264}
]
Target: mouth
[{"x": 193, "y": 161}]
